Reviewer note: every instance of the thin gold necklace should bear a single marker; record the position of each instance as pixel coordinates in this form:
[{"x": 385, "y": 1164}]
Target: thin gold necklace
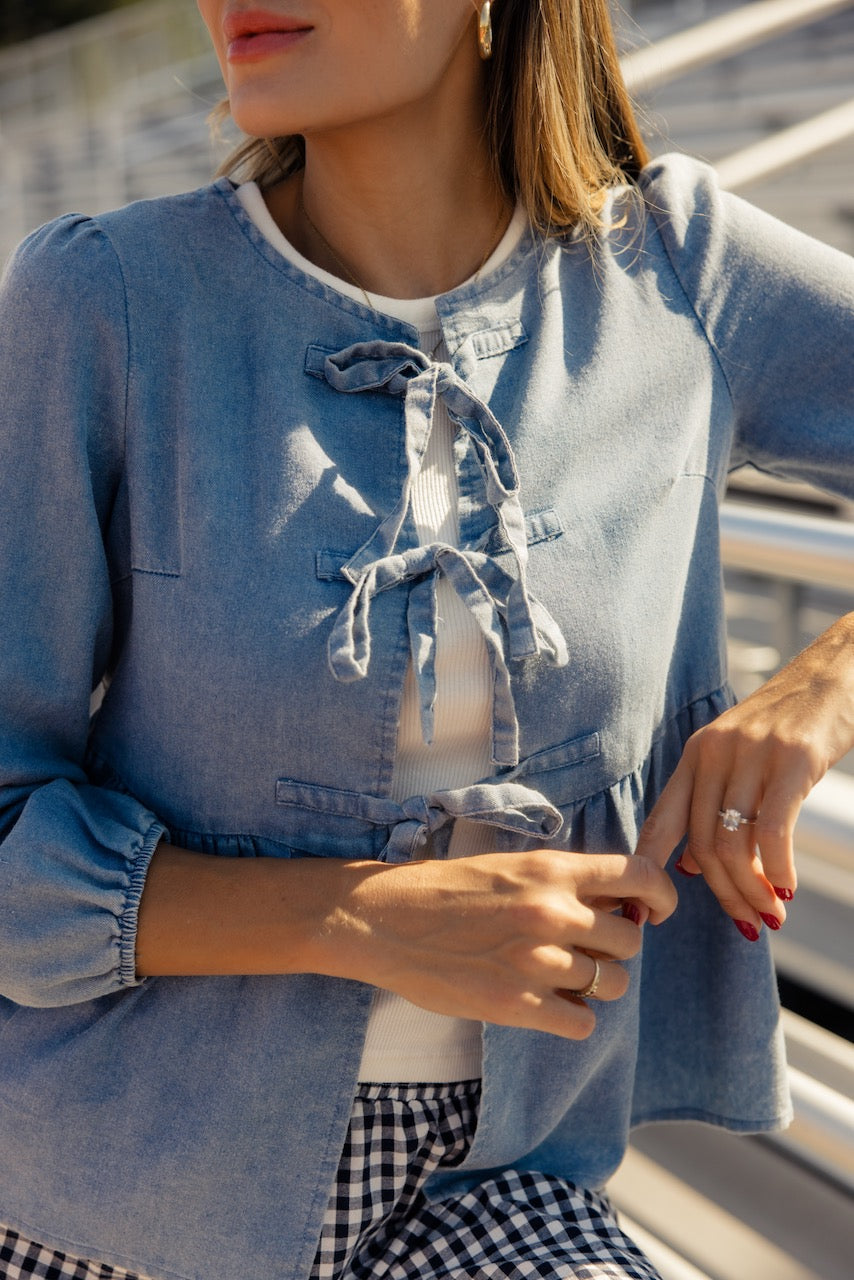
[{"x": 491, "y": 247}]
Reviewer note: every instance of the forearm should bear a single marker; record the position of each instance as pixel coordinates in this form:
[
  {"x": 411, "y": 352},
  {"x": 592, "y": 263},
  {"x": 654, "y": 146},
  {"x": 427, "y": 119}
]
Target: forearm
[
  {"x": 201, "y": 914},
  {"x": 829, "y": 661}
]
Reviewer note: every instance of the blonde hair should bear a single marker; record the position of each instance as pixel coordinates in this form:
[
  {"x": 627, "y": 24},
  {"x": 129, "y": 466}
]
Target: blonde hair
[{"x": 560, "y": 125}]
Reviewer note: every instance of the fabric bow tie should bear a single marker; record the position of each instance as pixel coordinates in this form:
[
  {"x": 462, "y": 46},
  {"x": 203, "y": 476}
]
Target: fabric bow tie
[
  {"x": 514, "y": 624},
  {"x": 507, "y": 805}
]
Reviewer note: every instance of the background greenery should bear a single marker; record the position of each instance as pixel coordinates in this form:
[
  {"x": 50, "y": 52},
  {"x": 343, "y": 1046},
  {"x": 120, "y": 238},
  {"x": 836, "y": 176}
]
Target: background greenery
[{"x": 21, "y": 19}]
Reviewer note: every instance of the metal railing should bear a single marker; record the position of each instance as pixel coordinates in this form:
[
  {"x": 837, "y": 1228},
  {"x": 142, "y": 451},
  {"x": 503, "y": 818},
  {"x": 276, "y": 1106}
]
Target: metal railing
[
  {"x": 822, "y": 1135},
  {"x": 798, "y": 547},
  {"x": 787, "y": 147},
  {"x": 824, "y": 1132},
  {"x": 826, "y": 835},
  {"x": 722, "y": 37}
]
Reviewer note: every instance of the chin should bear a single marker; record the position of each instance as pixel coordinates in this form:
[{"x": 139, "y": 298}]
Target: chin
[{"x": 260, "y": 113}]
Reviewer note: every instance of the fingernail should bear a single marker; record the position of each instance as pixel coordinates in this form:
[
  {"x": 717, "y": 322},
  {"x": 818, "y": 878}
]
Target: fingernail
[
  {"x": 678, "y": 865},
  {"x": 750, "y": 932},
  {"x": 785, "y": 895},
  {"x": 771, "y": 921},
  {"x": 630, "y": 912}
]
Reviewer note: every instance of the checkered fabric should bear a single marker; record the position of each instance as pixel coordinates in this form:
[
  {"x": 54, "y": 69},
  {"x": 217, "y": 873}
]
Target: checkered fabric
[
  {"x": 21, "y": 1259},
  {"x": 398, "y": 1136},
  {"x": 379, "y": 1226}
]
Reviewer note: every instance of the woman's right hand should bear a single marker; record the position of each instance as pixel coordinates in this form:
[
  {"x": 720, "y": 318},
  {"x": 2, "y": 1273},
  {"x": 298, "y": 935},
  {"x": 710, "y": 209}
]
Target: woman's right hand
[{"x": 502, "y": 937}]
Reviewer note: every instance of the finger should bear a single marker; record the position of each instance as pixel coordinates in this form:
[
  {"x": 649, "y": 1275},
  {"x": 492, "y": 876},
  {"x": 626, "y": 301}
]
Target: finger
[
  {"x": 668, "y": 821},
  {"x": 546, "y": 1011},
  {"x": 774, "y": 834},
  {"x": 615, "y": 878},
  {"x": 608, "y": 936},
  {"x": 737, "y": 845},
  {"x": 602, "y": 980},
  {"x": 574, "y": 970},
  {"x": 564, "y": 1010},
  {"x": 703, "y": 853},
  {"x": 725, "y": 850},
  {"x": 740, "y": 884},
  {"x": 564, "y": 1015}
]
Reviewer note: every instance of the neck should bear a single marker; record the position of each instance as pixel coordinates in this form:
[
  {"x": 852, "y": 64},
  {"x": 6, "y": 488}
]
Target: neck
[{"x": 406, "y": 208}]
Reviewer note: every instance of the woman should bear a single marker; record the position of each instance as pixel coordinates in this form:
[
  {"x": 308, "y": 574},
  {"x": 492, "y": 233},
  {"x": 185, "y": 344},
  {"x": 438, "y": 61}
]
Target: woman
[{"x": 390, "y": 524}]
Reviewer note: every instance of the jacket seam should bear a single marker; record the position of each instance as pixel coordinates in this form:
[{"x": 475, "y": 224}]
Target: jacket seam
[
  {"x": 673, "y": 1115},
  {"x": 317, "y": 290},
  {"x": 660, "y": 736},
  {"x": 126, "y": 310},
  {"x": 654, "y": 212},
  {"x": 113, "y": 781},
  {"x": 254, "y": 836},
  {"x": 465, "y": 294},
  {"x": 152, "y": 573}
]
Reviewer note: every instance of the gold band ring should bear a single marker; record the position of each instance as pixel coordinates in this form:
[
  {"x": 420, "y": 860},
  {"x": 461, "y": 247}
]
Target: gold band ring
[{"x": 593, "y": 985}]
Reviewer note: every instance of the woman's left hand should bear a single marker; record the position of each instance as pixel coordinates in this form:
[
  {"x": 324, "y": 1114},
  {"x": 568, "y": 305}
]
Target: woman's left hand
[{"x": 759, "y": 761}]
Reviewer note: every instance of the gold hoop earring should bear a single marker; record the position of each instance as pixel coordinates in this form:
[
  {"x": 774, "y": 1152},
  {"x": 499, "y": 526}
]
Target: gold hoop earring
[{"x": 484, "y": 31}]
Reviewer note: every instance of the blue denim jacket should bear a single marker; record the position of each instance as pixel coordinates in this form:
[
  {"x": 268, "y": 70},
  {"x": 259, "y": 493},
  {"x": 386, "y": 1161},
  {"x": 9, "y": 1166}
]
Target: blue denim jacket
[{"x": 203, "y": 464}]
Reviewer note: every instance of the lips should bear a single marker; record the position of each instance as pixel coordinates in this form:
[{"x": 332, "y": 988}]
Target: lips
[
  {"x": 256, "y": 22},
  {"x": 255, "y": 34}
]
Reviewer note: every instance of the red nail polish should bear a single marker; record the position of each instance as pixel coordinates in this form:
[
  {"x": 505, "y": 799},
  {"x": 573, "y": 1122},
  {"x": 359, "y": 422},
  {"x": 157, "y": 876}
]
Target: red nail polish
[
  {"x": 785, "y": 895},
  {"x": 771, "y": 921},
  {"x": 678, "y": 865},
  {"x": 630, "y": 912},
  {"x": 750, "y": 932}
]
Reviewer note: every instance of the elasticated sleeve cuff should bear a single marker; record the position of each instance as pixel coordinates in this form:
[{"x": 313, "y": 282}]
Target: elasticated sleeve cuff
[
  {"x": 71, "y": 878},
  {"x": 128, "y": 922}
]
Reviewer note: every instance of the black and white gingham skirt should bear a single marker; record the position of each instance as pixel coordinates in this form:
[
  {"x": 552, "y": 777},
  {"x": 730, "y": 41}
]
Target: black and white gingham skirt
[{"x": 379, "y": 1226}]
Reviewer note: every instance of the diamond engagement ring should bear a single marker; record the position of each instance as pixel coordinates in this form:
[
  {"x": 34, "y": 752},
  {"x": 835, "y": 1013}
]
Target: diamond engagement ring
[
  {"x": 593, "y": 985},
  {"x": 733, "y": 819}
]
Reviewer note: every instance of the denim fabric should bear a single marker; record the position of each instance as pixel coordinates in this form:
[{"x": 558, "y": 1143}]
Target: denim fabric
[{"x": 204, "y": 461}]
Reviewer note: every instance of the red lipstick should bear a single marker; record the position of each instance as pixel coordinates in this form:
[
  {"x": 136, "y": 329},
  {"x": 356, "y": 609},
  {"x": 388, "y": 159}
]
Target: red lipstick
[{"x": 259, "y": 33}]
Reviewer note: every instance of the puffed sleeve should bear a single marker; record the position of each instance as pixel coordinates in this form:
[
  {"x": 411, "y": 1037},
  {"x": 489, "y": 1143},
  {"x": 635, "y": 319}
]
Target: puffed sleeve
[
  {"x": 73, "y": 856},
  {"x": 778, "y": 310}
]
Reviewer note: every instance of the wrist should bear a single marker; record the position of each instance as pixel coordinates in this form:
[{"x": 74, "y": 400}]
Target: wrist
[{"x": 341, "y": 903}]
